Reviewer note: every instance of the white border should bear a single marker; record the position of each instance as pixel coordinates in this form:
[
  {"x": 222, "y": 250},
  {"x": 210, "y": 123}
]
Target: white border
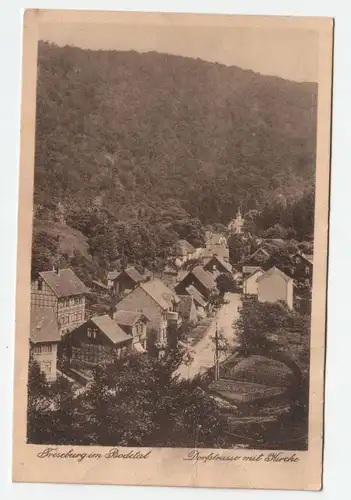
[{"x": 338, "y": 430}]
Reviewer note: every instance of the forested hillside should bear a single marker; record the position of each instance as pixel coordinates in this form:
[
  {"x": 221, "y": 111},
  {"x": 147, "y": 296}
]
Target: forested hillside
[{"x": 140, "y": 149}]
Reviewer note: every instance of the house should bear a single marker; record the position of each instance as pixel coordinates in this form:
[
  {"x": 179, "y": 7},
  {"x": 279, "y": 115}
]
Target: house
[
  {"x": 214, "y": 240},
  {"x": 97, "y": 340},
  {"x": 99, "y": 288},
  {"x": 44, "y": 339},
  {"x": 187, "y": 308},
  {"x": 217, "y": 265},
  {"x": 157, "y": 302},
  {"x": 249, "y": 270},
  {"x": 250, "y": 286},
  {"x": 134, "y": 324},
  {"x": 201, "y": 279},
  {"x": 303, "y": 267},
  {"x": 257, "y": 258},
  {"x": 236, "y": 225},
  {"x": 62, "y": 291},
  {"x": 199, "y": 301},
  {"x": 181, "y": 252},
  {"x": 125, "y": 280},
  {"x": 274, "y": 285},
  {"x": 169, "y": 275}
]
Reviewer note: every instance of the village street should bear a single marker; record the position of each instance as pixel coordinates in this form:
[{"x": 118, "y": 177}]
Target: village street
[{"x": 204, "y": 351}]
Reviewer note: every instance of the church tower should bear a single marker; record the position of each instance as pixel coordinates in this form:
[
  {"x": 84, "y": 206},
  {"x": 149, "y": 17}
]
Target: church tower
[{"x": 236, "y": 225}]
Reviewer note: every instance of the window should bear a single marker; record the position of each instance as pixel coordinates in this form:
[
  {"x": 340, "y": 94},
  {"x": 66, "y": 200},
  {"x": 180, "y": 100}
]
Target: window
[
  {"x": 45, "y": 366},
  {"x": 67, "y": 318},
  {"x": 71, "y": 301},
  {"x": 307, "y": 269},
  {"x": 38, "y": 349},
  {"x": 40, "y": 285}
]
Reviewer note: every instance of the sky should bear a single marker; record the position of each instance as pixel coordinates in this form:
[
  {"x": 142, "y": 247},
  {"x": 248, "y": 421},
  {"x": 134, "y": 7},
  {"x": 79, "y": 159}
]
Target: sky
[{"x": 288, "y": 53}]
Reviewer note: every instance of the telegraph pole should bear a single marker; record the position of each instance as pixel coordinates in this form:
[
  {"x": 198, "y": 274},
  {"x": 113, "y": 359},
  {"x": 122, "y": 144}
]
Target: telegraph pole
[{"x": 216, "y": 354}]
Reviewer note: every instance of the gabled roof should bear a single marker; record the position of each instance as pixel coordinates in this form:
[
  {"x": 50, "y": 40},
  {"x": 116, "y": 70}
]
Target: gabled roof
[
  {"x": 250, "y": 269},
  {"x": 129, "y": 318},
  {"x": 161, "y": 294},
  {"x": 225, "y": 264},
  {"x": 196, "y": 295},
  {"x": 43, "y": 325},
  {"x": 272, "y": 271},
  {"x": 100, "y": 284},
  {"x": 185, "y": 304},
  {"x": 256, "y": 271},
  {"x": 182, "y": 247},
  {"x": 130, "y": 271},
  {"x": 112, "y": 275},
  {"x": 110, "y": 328},
  {"x": 205, "y": 278},
  {"x": 309, "y": 258},
  {"x": 64, "y": 283},
  {"x": 259, "y": 250}
]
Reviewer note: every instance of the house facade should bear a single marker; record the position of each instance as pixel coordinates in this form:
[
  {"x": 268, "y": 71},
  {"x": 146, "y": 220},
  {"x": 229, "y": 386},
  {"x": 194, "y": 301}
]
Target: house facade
[
  {"x": 182, "y": 252},
  {"x": 216, "y": 244},
  {"x": 44, "y": 339},
  {"x": 274, "y": 286},
  {"x": 250, "y": 286},
  {"x": 156, "y": 301},
  {"x": 97, "y": 340},
  {"x": 124, "y": 281},
  {"x": 303, "y": 267},
  {"x": 64, "y": 293},
  {"x": 134, "y": 324}
]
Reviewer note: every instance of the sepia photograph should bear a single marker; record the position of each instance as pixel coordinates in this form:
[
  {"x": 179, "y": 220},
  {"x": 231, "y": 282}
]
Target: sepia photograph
[{"x": 173, "y": 251}]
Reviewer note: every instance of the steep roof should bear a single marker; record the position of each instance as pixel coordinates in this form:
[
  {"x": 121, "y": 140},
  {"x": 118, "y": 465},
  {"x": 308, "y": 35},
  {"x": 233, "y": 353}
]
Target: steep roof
[
  {"x": 256, "y": 271},
  {"x": 100, "y": 284},
  {"x": 110, "y": 328},
  {"x": 185, "y": 305},
  {"x": 43, "y": 325},
  {"x": 112, "y": 275},
  {"x": 196, "y": 295},
  {"x": 206, "y": 278},
  {"x": 64, "y": 283},
  {"x": 130, "y": 271},
  {"x": 160, "y": 292},
  {"x": 250, "y": 269},
  {"x": 128, "y": 318},
  {"x": 182, "y": 247},
  {"x": 272, "y": 271},
  {"x": 225, "y": 264},
  {"x": 309, "y": 258}
]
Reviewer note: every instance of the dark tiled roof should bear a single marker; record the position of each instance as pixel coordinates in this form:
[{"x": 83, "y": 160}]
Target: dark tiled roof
[
  {"x": 196, "y": 295},
  {"x": 250, "y": 269},
  {"x": 64, "y": 283},
  {"x": 110, "y": 328},
  {"x": 128, "y": 318},
  {"x": 204, "y": 277},
  {"x": 225, "y": 264},
  {"x": 100, "y": 284},
  {"x": 130, "y": 271},
  {"x": 43, "y": 325}
]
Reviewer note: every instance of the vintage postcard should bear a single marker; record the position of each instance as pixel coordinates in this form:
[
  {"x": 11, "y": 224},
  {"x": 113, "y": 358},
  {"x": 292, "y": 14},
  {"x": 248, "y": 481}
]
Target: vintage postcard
[{"x": 172, "y": 249}]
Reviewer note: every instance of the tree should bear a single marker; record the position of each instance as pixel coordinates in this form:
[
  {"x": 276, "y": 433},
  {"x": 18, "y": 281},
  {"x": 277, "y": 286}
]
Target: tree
[
  {"x": 45, "y": 251},
  {"x": 226, "y": 283},
  {"x": 38, "y": 403}
]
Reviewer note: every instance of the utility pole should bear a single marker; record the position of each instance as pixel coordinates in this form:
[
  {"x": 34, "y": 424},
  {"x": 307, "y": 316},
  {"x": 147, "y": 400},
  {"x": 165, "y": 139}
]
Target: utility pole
[{"x": 216, "y": 354}]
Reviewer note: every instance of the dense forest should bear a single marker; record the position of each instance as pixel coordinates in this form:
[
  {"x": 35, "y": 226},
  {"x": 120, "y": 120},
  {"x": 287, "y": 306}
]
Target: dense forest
[{"x": 136, "y": 150}]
